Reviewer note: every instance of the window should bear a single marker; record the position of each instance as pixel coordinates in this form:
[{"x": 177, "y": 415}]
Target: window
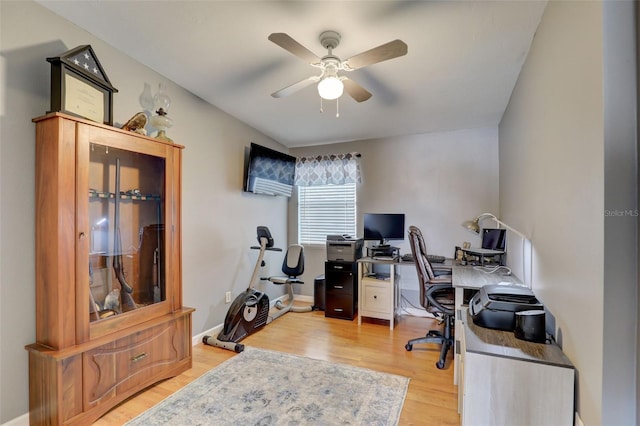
[{"x": 326, "y": 210}]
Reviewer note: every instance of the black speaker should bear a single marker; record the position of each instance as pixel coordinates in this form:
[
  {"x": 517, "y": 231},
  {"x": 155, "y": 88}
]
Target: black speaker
[{"x": 530, "y": 326}]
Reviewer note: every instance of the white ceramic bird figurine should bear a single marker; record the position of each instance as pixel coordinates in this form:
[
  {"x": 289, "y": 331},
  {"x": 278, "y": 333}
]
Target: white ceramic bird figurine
[{"x": 112, "y": 301}]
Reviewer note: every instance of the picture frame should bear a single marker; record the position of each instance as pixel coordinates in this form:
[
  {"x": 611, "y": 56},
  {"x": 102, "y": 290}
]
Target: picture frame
[{"x": 80, "y": 86}]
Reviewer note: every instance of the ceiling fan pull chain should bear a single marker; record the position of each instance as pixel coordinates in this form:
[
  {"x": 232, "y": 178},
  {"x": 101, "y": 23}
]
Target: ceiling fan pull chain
[
  {"x": 321, "y": 110},
  {"x": 338, "y": 108}
]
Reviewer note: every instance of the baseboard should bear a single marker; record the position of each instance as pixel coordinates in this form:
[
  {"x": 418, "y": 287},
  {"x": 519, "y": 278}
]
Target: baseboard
[
  {"x": 303, "y": 298},
  {"x": 415, "y": 312},
  {"x": 23, "y": 420},
  {"x": 216, "y": 329}
]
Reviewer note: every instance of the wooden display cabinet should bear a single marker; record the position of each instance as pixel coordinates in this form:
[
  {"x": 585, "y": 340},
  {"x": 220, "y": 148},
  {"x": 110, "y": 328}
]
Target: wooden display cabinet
[{"x": 109, "y": 313}]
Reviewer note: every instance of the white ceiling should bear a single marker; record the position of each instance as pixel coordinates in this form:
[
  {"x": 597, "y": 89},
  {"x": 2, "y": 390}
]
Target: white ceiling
[{"x": 463, "y": 59}]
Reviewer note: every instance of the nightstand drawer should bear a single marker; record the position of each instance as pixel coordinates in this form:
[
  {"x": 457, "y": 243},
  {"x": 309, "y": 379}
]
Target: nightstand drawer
[
  {"x": 377, "y": 296},
  {"x": 340, "y": 278},
  {"x": 340, "y": 307},
  {"x": 340, "y": 267},
  {"x": 340, "y": 289}
]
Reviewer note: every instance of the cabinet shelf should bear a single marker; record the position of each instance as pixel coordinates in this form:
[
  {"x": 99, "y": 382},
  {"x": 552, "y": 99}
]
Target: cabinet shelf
[{"x": 124, "y": 196}]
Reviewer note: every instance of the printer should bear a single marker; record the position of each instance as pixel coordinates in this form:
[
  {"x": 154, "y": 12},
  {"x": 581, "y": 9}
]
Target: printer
[
  {"x": 344, "y": 248},
  {"x": 495, "y": 306}
]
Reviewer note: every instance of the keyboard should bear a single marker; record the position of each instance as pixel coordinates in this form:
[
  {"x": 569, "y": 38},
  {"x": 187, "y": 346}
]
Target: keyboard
[{"x": 434, "y": 258}]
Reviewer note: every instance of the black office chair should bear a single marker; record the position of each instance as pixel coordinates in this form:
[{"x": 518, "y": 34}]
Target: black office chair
[
  {"x": 292, "y": 267},
  {"x": 436, "y": 296},
  {"x": 437, "y": 270}
]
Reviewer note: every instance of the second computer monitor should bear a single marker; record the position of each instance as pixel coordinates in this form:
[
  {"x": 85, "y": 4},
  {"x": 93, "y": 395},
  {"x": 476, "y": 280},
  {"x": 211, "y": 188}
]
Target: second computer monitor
[{"x": 493, "y": 239}]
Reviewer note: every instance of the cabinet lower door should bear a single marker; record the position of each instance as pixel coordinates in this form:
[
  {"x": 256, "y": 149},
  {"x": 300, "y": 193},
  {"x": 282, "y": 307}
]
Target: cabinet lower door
[
  {"x": 78, "y": 387},
  {"x": 120, "y": 366}
]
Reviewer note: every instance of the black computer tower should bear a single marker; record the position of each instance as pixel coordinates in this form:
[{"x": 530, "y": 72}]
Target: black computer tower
[{"x": 319, "y": 286}]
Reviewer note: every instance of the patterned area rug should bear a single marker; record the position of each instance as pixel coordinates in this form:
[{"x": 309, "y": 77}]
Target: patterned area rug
[{"x": 260, "y": 387}]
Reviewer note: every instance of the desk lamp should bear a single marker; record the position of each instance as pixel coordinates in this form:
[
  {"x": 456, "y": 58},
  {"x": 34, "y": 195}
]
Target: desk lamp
[{"x": 474, "y": 226}]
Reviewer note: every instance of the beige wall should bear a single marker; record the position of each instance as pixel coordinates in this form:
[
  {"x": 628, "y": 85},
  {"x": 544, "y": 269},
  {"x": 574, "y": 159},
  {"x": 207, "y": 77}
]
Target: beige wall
[
  {"x": 438, "y": 180},
  {"x": 619, "y": 398},
  {"x": 219, "y": 220},
  {"x": 556, "y": 183}
]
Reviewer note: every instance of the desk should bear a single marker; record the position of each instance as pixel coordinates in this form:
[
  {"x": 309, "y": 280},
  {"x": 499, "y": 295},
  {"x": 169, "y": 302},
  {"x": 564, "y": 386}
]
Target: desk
[
  {"x": 507, "y": 381},
  {"x": 471, "y": 278},
  {"x": 378, "y": 298}
]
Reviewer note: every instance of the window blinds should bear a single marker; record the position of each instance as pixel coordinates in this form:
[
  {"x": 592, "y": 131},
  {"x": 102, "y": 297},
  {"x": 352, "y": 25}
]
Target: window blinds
[{"x": 326, "y": 210}]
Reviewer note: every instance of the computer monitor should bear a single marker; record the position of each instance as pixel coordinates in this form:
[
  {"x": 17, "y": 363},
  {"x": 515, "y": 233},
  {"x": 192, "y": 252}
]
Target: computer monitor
[
  {"x": 383, "y": 227},
  {"x": 493, "y": 239}
]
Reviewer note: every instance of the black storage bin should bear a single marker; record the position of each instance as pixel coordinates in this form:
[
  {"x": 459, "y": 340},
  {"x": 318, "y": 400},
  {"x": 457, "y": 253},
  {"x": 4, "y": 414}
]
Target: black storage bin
[{"x": 318, "y": 293}]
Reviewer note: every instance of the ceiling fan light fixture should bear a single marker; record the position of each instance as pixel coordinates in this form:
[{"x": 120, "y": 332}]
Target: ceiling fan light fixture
[
  {"x": 330, "y": 85},
  {"x": 330, "y": 88}
]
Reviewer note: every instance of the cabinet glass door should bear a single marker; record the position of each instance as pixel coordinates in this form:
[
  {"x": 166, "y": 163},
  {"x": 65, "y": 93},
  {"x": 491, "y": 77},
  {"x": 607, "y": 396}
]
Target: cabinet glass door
[{"x": 127, "y": 241}]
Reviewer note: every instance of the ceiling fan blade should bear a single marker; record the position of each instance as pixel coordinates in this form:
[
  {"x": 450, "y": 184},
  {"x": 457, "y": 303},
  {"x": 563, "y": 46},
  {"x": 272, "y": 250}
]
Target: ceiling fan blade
[
  {"x": 390, "y": 50},
  {"x": 357, "y": 92},
  {"x": 287, "y": 43},
  {"x": 295, "y": 87}
]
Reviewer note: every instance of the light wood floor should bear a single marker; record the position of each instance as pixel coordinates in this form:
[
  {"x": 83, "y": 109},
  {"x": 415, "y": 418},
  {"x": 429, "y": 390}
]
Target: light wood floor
[{"x": 431, "y": 398}]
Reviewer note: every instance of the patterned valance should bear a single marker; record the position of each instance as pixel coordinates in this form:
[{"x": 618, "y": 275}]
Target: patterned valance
[{"x": 333, "y": 169}]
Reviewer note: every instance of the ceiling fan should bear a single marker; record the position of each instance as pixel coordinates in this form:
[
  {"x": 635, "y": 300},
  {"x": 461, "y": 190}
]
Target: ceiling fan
[{"x": 330, "y": 84}]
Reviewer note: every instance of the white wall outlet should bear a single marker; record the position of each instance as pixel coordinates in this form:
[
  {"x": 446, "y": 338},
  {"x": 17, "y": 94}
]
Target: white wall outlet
[
  {"x": 227, "y": 297},
  {"x": 578, "y": 420}
]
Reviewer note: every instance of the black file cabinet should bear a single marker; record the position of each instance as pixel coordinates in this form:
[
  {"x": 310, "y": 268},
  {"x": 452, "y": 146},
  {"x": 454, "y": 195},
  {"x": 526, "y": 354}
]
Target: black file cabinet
[{"x": 341, "y": 289}]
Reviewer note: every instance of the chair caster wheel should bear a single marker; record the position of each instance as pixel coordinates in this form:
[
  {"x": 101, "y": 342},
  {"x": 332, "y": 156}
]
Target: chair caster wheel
[
  {"x": 440, "y": 365},
  {"x": 408, "y": 346}
]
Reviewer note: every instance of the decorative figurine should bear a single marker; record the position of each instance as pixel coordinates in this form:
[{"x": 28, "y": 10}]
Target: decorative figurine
[{"x": 137, "y": 123}]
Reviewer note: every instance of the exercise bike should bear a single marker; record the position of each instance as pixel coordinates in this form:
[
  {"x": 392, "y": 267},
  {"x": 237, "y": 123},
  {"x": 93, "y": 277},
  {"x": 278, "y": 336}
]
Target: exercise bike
[{"x": 249, "y": 312}]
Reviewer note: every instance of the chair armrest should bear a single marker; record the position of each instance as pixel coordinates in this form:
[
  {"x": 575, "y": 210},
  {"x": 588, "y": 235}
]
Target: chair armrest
[
  {"x": 441, "y": 271},
  {"x": 442, "y": 268},
  {"x": 435, "y": 286},
  {"x": 444, "y": 280}
]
